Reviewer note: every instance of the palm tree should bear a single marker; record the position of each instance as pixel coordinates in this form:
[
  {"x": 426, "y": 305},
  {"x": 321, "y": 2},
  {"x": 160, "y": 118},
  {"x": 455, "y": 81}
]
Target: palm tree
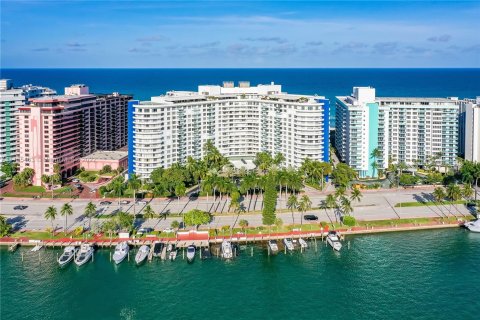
[
  {"x": 346, "y": 206},
  {"x": 439, "y": 194},
  {"x": 90, "y": 211},
  {"x": 51, "y": 214},
  {"x": 467, "y": 191},
  {"x": 304, "y": 204},
  {"x": 66, "y": 211},
  {"x": 340, "y": 192},
  {"x": 148, "y": 212},
  {"x": 331, "y": 203},
  {"x": 356, "y": 195},
  {"x": 454, "y": 192},
  {"x": 292, "y": 204},
  {"x": 134, "y": 183},
  {"x": 376, "y": 153}
]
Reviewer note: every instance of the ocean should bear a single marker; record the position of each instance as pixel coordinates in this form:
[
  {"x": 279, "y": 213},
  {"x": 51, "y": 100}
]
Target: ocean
[
  {"x": 406, "y": 275},
  {"x": 144, "y": 83}
]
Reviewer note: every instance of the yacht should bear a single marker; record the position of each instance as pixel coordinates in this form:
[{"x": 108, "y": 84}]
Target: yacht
[
  {"x": 272, "y": 244},
  {"x": 190, "y": 253},
  {"x": 142, "y": 254},
  {"x": 473, "y": 226},
  {"x": 67, "y": 255},
  {"x": 288, "y": 244},
  {"x": 334, "y": 241},
  {"x": 303, "y": 243},
  {"x": 84, "y": 254},
  {"x": 121, "y": 252},
  {"x": 227, "y": 252}
]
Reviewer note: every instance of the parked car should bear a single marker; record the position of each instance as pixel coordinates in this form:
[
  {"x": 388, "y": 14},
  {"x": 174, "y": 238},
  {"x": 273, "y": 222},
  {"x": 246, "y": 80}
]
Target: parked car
[
  {"x": 93, "y": 190},
  {"x": 168, "y": 230},
  {"x": 193, "y": 196},
  {"x": 105, "y": 203},
  {"x": 142, "y": 202},
  {"x": 19, "y": 207},
  {"x": 144, "y": 230},
  {"x": 77, "y": 185},
  {"x": 310, "y": 217},
  {"x": 471, "y": 204},
  {"x": 124, "y": 202},
  {"x": 75, "y": 180}
]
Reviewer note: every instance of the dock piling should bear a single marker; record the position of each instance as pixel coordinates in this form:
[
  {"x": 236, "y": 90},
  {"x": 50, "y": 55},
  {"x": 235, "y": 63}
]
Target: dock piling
[{"x": 251, "y": 252}]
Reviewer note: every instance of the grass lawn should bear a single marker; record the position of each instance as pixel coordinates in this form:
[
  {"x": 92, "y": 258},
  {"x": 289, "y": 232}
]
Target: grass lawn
[
  {"x": 32, "y": 189},
  {"x": 428, "y": 203}
]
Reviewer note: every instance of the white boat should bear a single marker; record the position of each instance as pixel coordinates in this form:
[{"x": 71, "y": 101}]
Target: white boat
[
  {"x": 288, "y": 244},
  {"x": 303, "y": 243},
  {"x": 67, "y": 255},
  {"x": 227, "y": 252},
  {"x": 173, "y": 253},
  {"x": 473, "y": 226},
  {"x": 190, "y": 253},
  {"x": 121, "y": 252},
  {"x": 142, "y": 254},
  {"x": 334, "y": 241},
  {"x": 84, "y": 254},
  {"x": 272, "y": 244}
]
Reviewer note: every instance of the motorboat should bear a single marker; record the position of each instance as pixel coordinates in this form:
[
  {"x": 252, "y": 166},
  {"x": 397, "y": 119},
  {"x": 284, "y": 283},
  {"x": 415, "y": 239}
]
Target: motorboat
[
  {"x": 473, "y": 226},
  {"x": 142, "y": 254},
  {"x": 67, "y": 255},
  {"x": 121, "y": 252},
  {"x": 190, "y": 253},
  {"x": 173, "y": 253},
  {"x": 272, "y": 244},
  {"x": 288, "y": 244},
  {"x": 205, "y": 253},
  {"x": 303, "y": 243},
  {"x": 334, "y": 241},
  {"x": 227, "y": 252},
  {"x": 84, "y": 254},
  {"x": 157, "y": 249}
]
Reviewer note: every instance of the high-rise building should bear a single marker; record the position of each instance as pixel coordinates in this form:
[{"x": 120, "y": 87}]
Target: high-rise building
[
  {"x": 240, "y": 121},
  {"x": 470, "y": 128},
  {"x": 10, "y": 100},
  {"x": 410, "y": 130},
  {"x": 62, "y": 129}
]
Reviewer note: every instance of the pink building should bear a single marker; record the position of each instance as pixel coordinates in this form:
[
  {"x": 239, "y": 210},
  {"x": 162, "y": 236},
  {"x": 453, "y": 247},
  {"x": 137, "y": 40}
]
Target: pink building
[{"x": 97, "y": 160}]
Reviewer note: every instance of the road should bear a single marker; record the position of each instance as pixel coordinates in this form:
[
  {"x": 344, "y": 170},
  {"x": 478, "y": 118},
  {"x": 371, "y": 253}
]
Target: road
[{"x": 375, "y": 205}]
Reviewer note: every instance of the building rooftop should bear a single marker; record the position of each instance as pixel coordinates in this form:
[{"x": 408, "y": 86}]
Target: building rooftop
[
  {"x": 106, "y": 155},
  {"x": 415, "y": 99}
]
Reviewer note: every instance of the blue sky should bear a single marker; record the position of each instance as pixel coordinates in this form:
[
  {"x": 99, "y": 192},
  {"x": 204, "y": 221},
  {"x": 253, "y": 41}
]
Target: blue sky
[{"x": 220, "y": 34}]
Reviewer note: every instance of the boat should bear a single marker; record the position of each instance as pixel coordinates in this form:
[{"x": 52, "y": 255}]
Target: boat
[
  {"x": 227, "y": 252},
  {"x": 84, "y": 254},
  {"x": 157, "y": 249},
  {"x": 121, "y": 252},
  {"x": 272, "y": 244},
  {"x": 67, "y": 255},
  {"x": 173, "y": 253},
  {"x": 142, "y": 254},
  {"x": 303, "y": 243},
  {"x": 473, "y": 226},
  {"x": 190, "y": 253},
  {"x": 205, "y": 253},
  {"x": 334, "y": 241},
  {"x": 288, "y": 244},
  {"x": 13, "y": 247}
]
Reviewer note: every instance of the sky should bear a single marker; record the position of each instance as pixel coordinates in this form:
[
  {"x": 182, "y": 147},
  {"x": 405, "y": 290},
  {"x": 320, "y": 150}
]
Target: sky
[{"x": 237, "y": 34}]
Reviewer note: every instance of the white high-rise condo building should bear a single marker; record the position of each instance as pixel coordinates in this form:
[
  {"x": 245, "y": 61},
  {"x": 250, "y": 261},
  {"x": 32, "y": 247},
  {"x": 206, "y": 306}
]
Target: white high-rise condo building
[
  {"x": 410, "y": 130},
  {"x": 470, "y": 128},
  {"x": 240, "y": 121},
  {"x": 10, "y": 100}
]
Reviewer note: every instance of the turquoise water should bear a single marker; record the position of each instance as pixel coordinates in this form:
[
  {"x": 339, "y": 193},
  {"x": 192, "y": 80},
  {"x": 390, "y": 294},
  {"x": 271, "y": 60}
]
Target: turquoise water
[{"x": 409, "y": 275}]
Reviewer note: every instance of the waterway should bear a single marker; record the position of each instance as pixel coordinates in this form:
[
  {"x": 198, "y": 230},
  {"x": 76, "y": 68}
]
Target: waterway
[{"x": 405, "y": 275}]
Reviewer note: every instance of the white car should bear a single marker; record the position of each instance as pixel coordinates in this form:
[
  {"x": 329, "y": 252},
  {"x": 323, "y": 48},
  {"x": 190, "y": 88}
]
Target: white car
[
  {"x": 168, "y": 230},
  {"x": 142, "y": 202},
  {"x": 75, "y": 180}
]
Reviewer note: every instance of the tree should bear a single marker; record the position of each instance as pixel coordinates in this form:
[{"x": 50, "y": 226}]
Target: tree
[
  {"x": 175, "y": 224},
  {"x": 467, "y": 191},
  {"x": 439, "y": 194},
  {"x": 279, "y": 159},
  {"x": 269, "y": 200},
  {"x": 9, "y": 168},
  {"x": 196, "y": 217},
  {"x": 125, "y": 220},
  {"x": 376, "y": 153},
  {"x": 278, "y": 223},
  {"x": 51, "y": 214},
  {"x": 90, "y": 212},
  {"x": 110, "y": 226},
  {"x": 346, "y": 206},
  {"x": 66, "y": 211},
  {"x": 343, "y": 174},
  {"x": 134, "y": 183},
  {"x": 331, "y": 203},
  {"x": 454, "y": 192},
  {"x": 5, "y": 227},
  {"x": 356, "y": 195},
  {"x": 304, "y": 204},
  {"x": 292, "y": 204},
  {"x": 243, "y": 223},
  {"x": 148, "y": 212}
]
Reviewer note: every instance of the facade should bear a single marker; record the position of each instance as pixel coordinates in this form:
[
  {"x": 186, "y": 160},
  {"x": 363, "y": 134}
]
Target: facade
[
  {"x": 10, "y": 100},
  {"x": 241, "y": 121},
  {"x": 62, "y": 129},
  {"x": 97, "y": 160},
  {"x": 409, "y": 130},
  {"x": 470, "y": 118}
]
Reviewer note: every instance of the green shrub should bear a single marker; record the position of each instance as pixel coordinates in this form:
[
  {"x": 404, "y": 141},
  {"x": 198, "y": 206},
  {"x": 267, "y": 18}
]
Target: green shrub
[{"x": 349, "y": 221}]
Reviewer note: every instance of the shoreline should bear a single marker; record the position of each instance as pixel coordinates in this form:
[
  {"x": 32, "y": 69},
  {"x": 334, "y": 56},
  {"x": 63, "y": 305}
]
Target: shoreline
[{"x": 101, "y": 241}]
